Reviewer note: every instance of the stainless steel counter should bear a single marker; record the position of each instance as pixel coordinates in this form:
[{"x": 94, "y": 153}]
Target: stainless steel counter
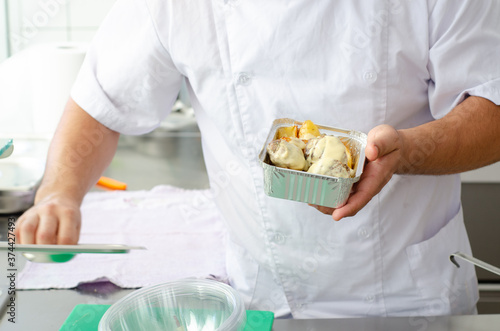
[
  {"x": 47, "y": 310},
  {"x": 418, "y": 323}
]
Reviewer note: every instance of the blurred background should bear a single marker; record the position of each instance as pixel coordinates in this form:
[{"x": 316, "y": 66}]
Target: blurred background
[
  {"x": 42, "y": 45},
  {"x": 29, "y": 22}
]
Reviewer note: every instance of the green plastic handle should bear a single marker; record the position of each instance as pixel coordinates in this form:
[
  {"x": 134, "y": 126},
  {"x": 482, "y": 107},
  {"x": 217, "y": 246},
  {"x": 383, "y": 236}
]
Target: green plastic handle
[{"x": 6, "y": 147}]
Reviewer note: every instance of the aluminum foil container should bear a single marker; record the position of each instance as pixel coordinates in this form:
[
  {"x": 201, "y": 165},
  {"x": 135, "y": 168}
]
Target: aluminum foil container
[{"x": 311, "y": 188}]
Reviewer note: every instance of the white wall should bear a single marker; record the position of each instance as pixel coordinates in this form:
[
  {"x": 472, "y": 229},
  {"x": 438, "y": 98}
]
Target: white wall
[
  {"x": 38, "y": 21},
  {"x": 32, "y": 22},
  {"x": 3, "y": 32}
]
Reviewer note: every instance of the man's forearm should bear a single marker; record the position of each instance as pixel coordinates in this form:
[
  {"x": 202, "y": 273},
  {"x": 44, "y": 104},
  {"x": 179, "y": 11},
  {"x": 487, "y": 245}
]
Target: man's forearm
[
  {"x": 80, "y": 151},
  {"x": 465, "y": 139}
]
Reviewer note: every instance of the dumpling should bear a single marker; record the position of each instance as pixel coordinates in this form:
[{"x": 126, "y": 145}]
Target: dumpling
[
  {"x": 325, "y": 147},
  {"x": 286, "y": 154},
  {"x": 330, "y": 167}
]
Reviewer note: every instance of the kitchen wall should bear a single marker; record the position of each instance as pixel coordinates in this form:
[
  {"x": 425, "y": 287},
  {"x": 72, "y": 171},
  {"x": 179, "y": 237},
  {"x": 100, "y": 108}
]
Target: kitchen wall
[
  {"x": 3, "y": 31},
  {"x": 27, "y": 22}
]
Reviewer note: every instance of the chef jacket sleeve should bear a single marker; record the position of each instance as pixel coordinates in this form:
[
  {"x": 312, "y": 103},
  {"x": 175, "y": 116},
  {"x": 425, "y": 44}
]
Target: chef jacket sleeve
[
  {"x": 464, "y": 41},
  {"x": 127, "y": 81}
]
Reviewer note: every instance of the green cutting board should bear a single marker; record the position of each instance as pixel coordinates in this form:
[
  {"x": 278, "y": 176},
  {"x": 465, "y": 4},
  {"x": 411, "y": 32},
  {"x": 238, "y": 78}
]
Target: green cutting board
[{"x": 87, "y": 317}]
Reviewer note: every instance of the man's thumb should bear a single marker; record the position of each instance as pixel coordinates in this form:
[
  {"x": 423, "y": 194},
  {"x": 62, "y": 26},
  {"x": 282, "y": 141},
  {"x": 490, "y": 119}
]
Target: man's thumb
[{"x": 382, "y": 140}]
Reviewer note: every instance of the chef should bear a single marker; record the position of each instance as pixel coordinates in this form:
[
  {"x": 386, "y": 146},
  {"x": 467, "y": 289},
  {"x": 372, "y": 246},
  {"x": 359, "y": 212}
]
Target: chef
[{"x": 422, "y": 78}]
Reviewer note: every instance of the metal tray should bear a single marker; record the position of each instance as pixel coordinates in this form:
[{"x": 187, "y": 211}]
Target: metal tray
[
  {"x": 311, "y": 188},
  {"x": 63, "y": 253},
  {"x": 73, "y": 249}
]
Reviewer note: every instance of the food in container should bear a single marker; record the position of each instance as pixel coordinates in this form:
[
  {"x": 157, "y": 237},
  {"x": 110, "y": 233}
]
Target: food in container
[
  {"x": 285, "y": 154},
  {"x": 308, "y": 130},
  {"x": 329, "y": 156},
  {"x": 309, "y": 150},
  {"x": 334, "y": 162},
  {"x": 330, "y": 167}
]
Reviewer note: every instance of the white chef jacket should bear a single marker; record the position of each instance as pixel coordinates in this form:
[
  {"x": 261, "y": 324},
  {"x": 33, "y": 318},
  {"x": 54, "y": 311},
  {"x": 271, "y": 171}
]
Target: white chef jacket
[{"x": 344, "y": 64}]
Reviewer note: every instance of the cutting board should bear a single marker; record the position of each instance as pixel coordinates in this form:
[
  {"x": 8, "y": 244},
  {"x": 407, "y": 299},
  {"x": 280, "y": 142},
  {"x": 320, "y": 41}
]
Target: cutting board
[{"x": 86, "y": 318}]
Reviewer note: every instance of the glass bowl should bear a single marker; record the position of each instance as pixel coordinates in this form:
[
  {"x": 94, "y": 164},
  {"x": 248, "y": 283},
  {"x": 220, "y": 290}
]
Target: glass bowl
[{"x": 183, "y": 305}]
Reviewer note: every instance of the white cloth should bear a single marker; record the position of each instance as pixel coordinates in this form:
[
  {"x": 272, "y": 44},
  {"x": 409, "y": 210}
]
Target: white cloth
[
  {"x": 181, "y": 230},
  {"x": 340, "y": 63}
]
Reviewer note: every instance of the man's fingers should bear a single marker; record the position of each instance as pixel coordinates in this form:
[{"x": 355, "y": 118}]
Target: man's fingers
[
  {"x": 49, "y": 223},
  {"x": 382, "y": 151},
  {"x": 382, "y": 140},
  {"x": 27, "y": 229},
  {"x": 374, "y": 178},
  {"x": 323, "y": 209},
  {"x": 46, "y": 234},
  {"x": 69, "y": 228},
  {"x": 371, "y": 152},
  {"x": 356, "y": 201}
]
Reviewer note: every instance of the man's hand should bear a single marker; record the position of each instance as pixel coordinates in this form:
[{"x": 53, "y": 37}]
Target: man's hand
[
  {"x": 465, "y": 139},
  {"x": 383, "y": 152},
  {"x": 51, "y": 221},
  {"x": 80, "y": 151}
]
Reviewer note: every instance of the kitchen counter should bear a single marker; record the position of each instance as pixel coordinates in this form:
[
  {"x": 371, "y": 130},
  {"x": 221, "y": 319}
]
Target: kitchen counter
[
  {"x": 417, "y": 323},
  {"x": 45, "y": 310}
]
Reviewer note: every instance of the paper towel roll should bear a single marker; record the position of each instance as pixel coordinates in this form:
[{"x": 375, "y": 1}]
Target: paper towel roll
[
  {"x": 16, "y": 94},
  {"x": 53, "y": 74}
]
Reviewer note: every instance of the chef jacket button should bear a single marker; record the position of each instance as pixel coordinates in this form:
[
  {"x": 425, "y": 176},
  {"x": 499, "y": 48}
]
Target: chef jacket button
[
  {"x": 243, "y": 79},
  {"x": 363, "y": 233},
  {"x": 370, "y": 76},
  {"x": 370, "y": 298},
  {"x": 279, "y": 238}
]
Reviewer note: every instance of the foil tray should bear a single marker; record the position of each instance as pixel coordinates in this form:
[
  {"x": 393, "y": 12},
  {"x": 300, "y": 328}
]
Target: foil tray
[{"x": 311, "y": 188}]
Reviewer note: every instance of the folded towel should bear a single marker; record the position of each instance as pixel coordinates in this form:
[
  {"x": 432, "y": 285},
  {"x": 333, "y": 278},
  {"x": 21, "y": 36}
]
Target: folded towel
[{"x": 181, "y": 230}]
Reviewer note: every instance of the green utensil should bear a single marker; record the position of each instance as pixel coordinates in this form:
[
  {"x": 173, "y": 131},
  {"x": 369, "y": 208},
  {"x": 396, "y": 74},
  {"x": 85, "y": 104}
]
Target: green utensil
[{"x": 6, "y": 147}]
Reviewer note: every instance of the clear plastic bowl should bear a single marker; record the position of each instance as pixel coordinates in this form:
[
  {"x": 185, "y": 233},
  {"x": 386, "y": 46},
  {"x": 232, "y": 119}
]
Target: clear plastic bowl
[{"x": 184, "y": 305}]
